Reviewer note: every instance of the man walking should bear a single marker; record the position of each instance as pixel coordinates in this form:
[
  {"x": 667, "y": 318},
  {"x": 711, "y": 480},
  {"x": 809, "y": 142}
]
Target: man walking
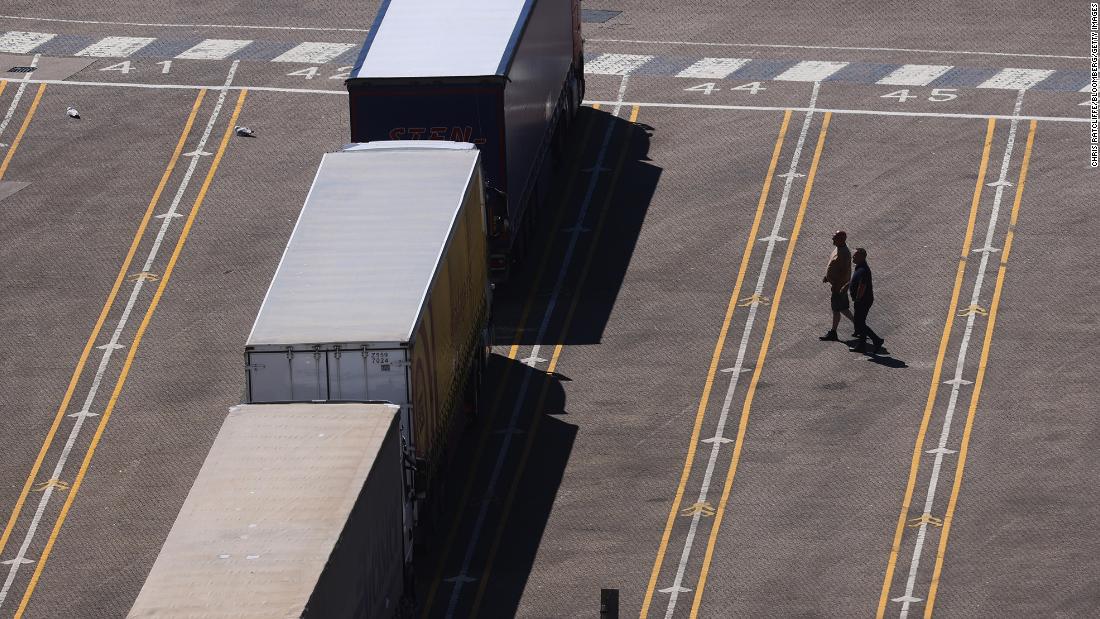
[
  {"x": 863, "y": 295},
  {"x": 837, "y": 275}
]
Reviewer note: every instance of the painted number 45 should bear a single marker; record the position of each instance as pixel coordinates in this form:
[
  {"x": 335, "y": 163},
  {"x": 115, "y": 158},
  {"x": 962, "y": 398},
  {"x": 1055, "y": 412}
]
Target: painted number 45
[{"x": 938, "y": 95}]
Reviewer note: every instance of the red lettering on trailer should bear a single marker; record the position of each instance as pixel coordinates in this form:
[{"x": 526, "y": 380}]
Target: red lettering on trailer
[{"x": 455, "y": 134}]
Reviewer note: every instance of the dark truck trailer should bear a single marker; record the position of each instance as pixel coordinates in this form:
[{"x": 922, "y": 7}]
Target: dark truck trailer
[{"x": 506, "y": 75}]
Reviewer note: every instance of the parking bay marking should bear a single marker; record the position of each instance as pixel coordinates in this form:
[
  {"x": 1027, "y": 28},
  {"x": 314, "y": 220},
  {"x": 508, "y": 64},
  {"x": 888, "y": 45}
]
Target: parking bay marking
[
  {"x": 908, "y": 598},
  {"x": 980, "y": 380},
  {"x": 94, "y": 336},
  {"x": 758, "y": 368},
  {"x": 742, "y": 350},
  {"x": 512, "y": 352},
  {"x": 933, "y": 389},
  {"x": 132, "y": 352},
  {"x": 18, "y": 95},
  {"x": 544, "y": 392},
  {"x": 541, "y": 334},
  {"x": 108, "y": 351},
  {"x": 22, "y": 130},
  {"x": 704, "y": 399}
]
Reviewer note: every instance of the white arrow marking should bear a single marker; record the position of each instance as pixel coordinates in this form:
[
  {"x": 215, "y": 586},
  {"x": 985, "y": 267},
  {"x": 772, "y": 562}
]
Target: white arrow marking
[
  {"x": 198, "y": 152},
  {"x": 960, "y": 362},
  {"x": 941, "y": 451},
  {"x": 773, "y": 238},
  {"x": 563, "y": 270},
  {"x": 83, "y": 413},
  {"x": 1000, "y": 183},
  {"x": 168, "y": 215},
  {"x": 728, "y": 370},
  {"x": 986, "y": 250},
  {"x": 907, "y": 599},
  {"x": 532, "y": 361},
  {"x": 18, "y": 561},
  {"x": 958, "y": 382},
  {"x": 461, "y": 578},
  {"x": 59, "y": 468},
  {"x": 110, "y": 346},
  {"x": 742, "y": 350},
  {"x": 721, "y": 440},
  {"x": 791, "y": 174},
  {"x": 674, "y": 589}
]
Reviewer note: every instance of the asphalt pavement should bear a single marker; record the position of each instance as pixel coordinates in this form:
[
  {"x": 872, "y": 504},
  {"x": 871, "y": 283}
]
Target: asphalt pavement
[{"x": 665, "y": 420}]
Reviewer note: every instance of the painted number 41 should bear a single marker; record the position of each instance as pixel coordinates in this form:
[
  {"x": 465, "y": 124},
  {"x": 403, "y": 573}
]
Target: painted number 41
[{"x": 938, "y": 95}]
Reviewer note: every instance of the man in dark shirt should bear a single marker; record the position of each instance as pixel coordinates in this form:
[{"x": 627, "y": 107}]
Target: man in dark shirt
[{"x": 863, "y": 295}]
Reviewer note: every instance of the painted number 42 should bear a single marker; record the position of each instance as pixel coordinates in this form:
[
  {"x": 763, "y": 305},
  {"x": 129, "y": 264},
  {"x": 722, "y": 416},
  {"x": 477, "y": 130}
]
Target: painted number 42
[{"x": 938, "y": 95}]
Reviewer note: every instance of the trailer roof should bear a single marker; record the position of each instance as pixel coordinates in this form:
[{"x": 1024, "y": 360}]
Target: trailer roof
[
  {"x": 266, "y": 510},
  {"x": 442, "y": 38},
  {"x": 367, "y": 244}
]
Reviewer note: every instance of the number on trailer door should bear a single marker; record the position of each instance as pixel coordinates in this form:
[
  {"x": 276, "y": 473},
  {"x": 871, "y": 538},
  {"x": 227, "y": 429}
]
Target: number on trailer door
[{"x": 386, "y": 375}]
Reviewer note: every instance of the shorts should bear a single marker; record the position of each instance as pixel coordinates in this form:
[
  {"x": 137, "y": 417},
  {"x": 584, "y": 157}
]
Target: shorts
[{"x": 839, "y": 301}]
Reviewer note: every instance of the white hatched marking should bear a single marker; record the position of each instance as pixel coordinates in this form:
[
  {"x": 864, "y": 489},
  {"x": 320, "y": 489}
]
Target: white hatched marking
[
  {"x": 914, "y": 74},
  {"x": 313, "y": 53},
  {"x": 810, "y": 71},
  {"x": 115, "y": 47},
  {"x": 615, "y": 64},
  {"x": 214, "y": 49},
  {"x": 1016, "y": 79},
  {"x": 16, "y": 42},
  {"x": 714, "y": 68}
]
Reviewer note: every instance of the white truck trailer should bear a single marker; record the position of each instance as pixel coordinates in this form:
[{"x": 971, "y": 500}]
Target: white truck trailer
[
  {"x": 383, "y": 294},
  {"x": 296, "y": 512}
]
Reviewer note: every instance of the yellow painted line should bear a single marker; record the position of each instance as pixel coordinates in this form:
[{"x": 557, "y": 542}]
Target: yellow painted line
[
  {"x": 662, "y": 548},
  {"x": 71, "y": 496},
  {"x": 980, "y": 380},
  {"x": 743, "y": 425},
  {"x": 952, "y": 310},
  {"x": 99, "y": 322},
  {"x": 541, "y": 402},
  {"x": 22, "y": 130},
  {"x": 452, "y": 535},
  {"x": 3, "y": 85}
]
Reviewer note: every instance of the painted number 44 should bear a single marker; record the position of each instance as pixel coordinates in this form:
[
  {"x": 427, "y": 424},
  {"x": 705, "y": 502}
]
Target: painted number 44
[
  {"x": 752, "y": 88},
  {"x": 938, "y": 95}
]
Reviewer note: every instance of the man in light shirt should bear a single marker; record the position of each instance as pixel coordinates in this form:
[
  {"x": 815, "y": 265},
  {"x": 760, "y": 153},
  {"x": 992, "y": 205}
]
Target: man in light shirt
[{"x": 837, "y": 275}]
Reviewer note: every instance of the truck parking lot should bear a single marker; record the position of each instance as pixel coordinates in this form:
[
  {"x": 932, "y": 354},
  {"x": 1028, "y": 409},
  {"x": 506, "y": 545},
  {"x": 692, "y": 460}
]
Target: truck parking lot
[{"x": 665, "y": 421}]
